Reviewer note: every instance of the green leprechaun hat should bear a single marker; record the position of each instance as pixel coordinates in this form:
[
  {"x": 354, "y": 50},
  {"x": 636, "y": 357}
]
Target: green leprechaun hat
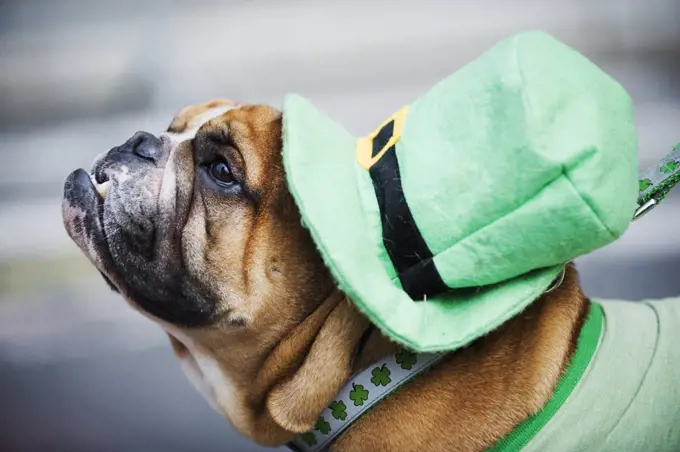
[{"x": 463, "y": 208}]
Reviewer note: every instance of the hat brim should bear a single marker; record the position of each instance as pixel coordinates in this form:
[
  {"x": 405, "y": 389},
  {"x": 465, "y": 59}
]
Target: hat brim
[{"x": 321, "y": 170}]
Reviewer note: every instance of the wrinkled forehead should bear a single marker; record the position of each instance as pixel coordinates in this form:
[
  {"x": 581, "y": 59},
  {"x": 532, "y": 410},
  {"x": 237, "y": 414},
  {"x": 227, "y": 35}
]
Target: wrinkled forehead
[{"x": 188, "y": 120}]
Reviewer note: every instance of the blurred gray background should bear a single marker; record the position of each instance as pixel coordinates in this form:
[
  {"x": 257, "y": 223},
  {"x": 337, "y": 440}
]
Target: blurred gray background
[{"x": 79, "y": 370}]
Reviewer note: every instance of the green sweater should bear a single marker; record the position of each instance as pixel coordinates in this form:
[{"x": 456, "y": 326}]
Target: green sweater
[{"x": 622, "y": 389}]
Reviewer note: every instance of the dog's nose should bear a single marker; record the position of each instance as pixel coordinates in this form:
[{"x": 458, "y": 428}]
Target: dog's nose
[{"x": 145, "y": 145}]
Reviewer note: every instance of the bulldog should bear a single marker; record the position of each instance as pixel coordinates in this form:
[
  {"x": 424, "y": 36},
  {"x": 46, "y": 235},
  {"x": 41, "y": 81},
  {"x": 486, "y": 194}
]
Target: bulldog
[{"x": 197, "y": 230}]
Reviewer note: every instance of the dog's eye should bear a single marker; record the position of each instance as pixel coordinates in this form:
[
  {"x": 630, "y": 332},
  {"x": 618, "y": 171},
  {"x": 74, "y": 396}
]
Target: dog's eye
[{"x": 219, "y": 170}]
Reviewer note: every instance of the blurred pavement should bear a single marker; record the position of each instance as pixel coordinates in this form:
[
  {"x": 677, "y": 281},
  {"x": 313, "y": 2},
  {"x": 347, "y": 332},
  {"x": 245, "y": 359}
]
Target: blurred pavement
[{"x": 79, "y": 370}]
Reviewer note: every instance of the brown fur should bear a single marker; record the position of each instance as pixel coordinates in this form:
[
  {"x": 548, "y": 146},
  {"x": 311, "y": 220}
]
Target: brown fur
[{"x": 287, "y": 339}]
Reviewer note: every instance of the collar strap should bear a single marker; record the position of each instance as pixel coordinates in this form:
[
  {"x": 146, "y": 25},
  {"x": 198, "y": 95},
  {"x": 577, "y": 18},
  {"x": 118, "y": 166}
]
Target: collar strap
[
  {"x": 367, "y": 388},
  {"x": 361, "y": 393},
  {"x": 657, "y": 181},
  {"x": 370, "y": 386}
]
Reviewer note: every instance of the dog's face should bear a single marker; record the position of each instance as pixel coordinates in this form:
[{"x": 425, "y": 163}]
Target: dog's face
[
  {"x": 196, "y": 229},
  {"x": 196, "y": 224}
]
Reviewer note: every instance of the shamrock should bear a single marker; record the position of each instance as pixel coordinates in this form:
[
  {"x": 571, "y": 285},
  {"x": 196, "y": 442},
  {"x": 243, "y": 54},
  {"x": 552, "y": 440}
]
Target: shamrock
[
  {"x": 338, "y": 410},
  {"x": 381, "y": 376},
  {"x": 645, "y": 184},
  {"x": 322, "y": 426},
  {"x": 309, "y": 438},
  {"x": 670, "y": 167},
  {"x": 406, "y": 359},
  {"x": 358, "y": 395}
]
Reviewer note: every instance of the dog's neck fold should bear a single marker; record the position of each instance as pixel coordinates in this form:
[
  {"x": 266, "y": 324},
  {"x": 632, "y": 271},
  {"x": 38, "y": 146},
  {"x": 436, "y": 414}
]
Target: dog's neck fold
[{"x": 300, "y": 375}]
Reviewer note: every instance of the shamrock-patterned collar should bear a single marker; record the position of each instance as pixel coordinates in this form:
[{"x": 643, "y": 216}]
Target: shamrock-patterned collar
[
  {"x": 372, "y": 385},
  {"x": 361, "y": 393}
]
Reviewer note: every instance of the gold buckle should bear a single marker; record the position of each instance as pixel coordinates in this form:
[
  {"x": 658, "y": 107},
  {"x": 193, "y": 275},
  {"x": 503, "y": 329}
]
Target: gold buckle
[{"x": 365, "y": 155}]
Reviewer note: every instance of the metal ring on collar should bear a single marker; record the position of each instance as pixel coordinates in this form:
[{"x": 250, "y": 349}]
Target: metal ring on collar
[
  {"x": 558, "y": 281},
  {"x": 645, "y": 209}
]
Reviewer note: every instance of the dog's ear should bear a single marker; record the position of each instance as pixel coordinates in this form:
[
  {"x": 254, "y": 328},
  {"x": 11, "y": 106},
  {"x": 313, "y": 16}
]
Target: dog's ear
[{"x": 315, "y": 361}]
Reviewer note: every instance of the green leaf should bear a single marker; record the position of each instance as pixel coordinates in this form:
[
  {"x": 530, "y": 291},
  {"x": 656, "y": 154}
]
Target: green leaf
[
  {"x": 669, "y": 167},
  {"x": 381, "y": 376},
  {"x": 309, "y": 438},
  {"x": 322, "y": 426},
  {"x": 406, "y": 359},
  {"x": 338, "y": 410},
  {"x": 358, "y": 395}
]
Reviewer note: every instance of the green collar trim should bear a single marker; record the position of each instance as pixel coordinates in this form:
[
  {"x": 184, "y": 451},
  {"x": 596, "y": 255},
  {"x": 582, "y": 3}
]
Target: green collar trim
[{"x": 588, "y": 341}]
